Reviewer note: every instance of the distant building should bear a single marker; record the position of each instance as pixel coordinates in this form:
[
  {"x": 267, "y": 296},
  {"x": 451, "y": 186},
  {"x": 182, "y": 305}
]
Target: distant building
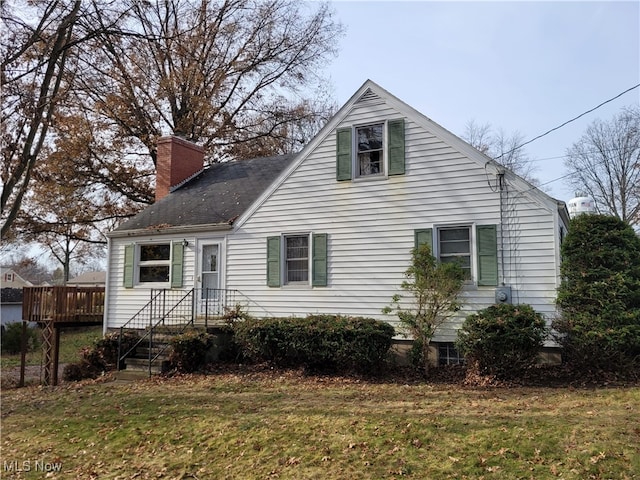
[
  {"x": 88, "y": 279},
  {"x": 10, "y": 305},
  {"x": 10, "y": 279}
]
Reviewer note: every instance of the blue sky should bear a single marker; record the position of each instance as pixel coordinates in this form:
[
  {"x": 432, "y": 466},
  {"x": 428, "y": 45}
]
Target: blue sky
[{"x": 521, "y": 66}]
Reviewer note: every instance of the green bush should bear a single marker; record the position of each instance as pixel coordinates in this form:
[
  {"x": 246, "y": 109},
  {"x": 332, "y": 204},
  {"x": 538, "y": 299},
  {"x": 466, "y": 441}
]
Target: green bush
[
  {"x": 74, "y": 372},
  {"x": 317, "y": 342},
  {"x": 107, "y": 348},
  {"x": 502, "y": 340},
  {"x": 89, "y": 366},
  {"x": 12, "y": 338},
  {"x": 189, "y": 352},
  {"x": 599, "y": 295},
  {"x": 99, "y": 358},
  {"x": 434, "y": 289}
]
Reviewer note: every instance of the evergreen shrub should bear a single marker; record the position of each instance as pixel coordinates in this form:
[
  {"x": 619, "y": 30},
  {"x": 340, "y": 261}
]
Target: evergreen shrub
[
  {"x": 333, "y": 343},
  {"x": 12, "y": 338},
  {"x": 502, "y": 340},
  {"x": 599, "y": 295},
  {"x": 101, "y": 357},
  {"x": 189, "y": 351}
]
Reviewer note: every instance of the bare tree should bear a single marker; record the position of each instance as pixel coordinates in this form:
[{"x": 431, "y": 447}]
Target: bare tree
[
  {"x": 33, "y": 62},
  {"x": 90, "y": 86},
  {"x": 223, "y": 74},
  {"x": 605, "y": 164},
  {"x": 502, "y": 147},
  {"x": 38, "y": 65}
]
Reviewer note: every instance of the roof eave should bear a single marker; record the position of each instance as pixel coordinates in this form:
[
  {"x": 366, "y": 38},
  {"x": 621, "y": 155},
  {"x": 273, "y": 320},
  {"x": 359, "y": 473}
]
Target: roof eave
[{"x": 171, "y": 230}]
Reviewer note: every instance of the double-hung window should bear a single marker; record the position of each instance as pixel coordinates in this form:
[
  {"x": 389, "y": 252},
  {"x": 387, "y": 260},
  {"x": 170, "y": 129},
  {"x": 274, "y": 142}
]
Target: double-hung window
[
  {"x": 153, "y": 263},
  {"x": 371, "y": 150},
  {"x": 454, "y": 245},
  {"x": 476, "y": 250},
  {"x": 297, "y": 259}
]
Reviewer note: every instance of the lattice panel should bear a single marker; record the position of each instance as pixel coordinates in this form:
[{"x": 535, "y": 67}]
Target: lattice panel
[{"x": 48, "y": 339}]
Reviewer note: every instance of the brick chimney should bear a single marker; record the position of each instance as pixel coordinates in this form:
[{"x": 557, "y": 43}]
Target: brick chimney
[{"x": 178, "y": 160}]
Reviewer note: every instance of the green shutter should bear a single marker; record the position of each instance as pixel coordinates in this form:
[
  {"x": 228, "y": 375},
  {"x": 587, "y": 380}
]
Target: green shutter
[
  {"x": 177, "y": 260},
  {"x": 343, "y": 154},
  {"x": 424, "y": 235},
  {"x": 129, "y": 258},
  {"x": 396, "y": 147},
  {"x": 319, "y": 274},
  {"x": 487, "y": 249},
  {"x": 273, "y": 261}
]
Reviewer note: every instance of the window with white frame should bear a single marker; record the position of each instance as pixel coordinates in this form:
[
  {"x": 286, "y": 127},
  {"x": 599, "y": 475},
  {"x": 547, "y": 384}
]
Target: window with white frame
[
  {"x": 375, "y": 150},
  {"x": 454, "y": 245},
  {"x": 448, "y": 355},
  {"x": 370, "y": 150},
  {"x": 155, "y": 263},
  {"x": 296, "y": 250},
  {"x": 297, "y": 259}
]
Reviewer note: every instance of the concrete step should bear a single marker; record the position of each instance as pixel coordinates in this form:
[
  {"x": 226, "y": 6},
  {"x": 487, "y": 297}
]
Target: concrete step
[
  {"x": 143, "y": 352},
  {"x": 127, "y": 376},
  {"x": 142, "y": 364},
  {"x": 174, "y": 328}
]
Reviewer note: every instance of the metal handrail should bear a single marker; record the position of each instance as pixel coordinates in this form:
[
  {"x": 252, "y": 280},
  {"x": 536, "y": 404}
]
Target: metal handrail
[
  {"x": 143, "y": 311},
  {"x": 158, "y": 305},
  {"x": 152, "y": 327}
]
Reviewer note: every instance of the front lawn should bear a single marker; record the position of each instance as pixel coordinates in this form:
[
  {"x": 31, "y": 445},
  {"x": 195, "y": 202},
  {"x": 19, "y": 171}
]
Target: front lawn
[{"x": 285, "y": 425}]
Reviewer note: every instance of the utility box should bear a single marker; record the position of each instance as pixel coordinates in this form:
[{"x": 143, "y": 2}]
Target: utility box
[{"x": 503, "y": 294}]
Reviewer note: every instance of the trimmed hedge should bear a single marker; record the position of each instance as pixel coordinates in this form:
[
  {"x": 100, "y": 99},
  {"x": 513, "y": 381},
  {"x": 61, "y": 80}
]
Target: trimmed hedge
[
  {"x": 189, "y": 352},
  {"x": 502, "y": 340},
  {"x": 317, "y": 342}
]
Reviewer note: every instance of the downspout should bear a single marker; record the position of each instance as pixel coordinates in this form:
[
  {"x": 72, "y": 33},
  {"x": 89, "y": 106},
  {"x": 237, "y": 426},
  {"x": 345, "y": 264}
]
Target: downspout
[{"x": 105, "y": 309}]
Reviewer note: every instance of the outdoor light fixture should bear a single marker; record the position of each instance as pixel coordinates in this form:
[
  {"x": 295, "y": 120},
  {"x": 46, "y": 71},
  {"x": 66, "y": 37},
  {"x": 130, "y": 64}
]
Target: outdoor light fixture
[{"x": 185, "y": 242}]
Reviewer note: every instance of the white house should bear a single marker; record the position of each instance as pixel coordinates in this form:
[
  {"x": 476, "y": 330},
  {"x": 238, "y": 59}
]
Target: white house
[
  {"x": 10, "y": 279},
  {"x": 330, "y": 230}
]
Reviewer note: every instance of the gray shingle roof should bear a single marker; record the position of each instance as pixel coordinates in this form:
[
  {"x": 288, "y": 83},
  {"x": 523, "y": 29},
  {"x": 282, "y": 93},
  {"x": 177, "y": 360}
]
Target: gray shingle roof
[{"x": 218, "y": 195}]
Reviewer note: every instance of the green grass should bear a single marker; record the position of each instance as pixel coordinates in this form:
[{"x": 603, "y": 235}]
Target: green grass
[
  {"x": 286, "y": 426},
  {"x": 71, "y": 342}
]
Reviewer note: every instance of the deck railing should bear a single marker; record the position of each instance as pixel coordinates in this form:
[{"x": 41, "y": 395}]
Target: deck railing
[{"x": 62, "y": 304}]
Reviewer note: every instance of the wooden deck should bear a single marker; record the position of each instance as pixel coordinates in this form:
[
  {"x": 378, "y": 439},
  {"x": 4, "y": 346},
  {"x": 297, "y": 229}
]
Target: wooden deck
[
  {"x": 63, "y": 305},
  {"x": 54, "y": 308}
]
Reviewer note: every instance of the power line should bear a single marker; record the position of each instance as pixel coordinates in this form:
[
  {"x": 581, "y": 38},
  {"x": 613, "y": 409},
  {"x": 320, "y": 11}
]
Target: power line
[
  {"x": 567, "y": 155},
  {"x": 567, "y": 122}
]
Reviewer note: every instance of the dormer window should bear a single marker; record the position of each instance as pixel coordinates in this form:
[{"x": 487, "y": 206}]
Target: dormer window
[{"x": 373, "y": 150}]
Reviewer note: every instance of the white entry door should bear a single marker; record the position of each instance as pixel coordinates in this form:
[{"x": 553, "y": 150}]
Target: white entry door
[{"x": 209, "y": 280}]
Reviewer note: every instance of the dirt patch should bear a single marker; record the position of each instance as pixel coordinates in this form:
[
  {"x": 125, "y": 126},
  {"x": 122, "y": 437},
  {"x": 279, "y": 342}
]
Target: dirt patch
[{"x": 33, "y": 375}]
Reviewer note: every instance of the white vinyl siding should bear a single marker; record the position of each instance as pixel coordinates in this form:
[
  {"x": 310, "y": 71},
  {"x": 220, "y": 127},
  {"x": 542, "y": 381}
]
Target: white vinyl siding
[
  {"x": 368, "y": 228},
  {"x": 372, "y": 227},
  {"x": 123, "y": 303}
]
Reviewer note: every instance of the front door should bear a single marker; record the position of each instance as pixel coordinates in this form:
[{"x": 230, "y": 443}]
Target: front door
[{"x": 209, "y": 294}]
